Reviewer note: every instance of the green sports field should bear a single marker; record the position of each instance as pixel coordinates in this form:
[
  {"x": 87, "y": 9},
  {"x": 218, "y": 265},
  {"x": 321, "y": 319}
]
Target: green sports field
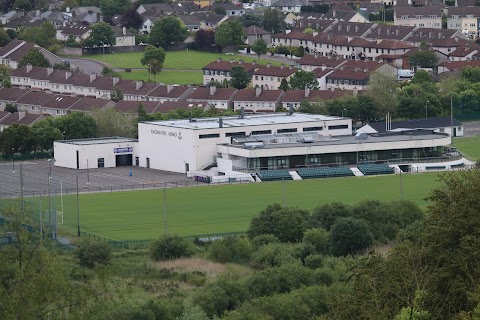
[
  {"x": 166, "y": 76},
  {"x": 469, "y": 146},
  {"x": 138, "y": 215},
  {"x": 183, "y": 60}
]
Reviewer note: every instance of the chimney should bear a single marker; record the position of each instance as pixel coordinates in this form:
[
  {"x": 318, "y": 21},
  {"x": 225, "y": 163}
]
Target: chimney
[
  {"x": 49, "y": 71},
  {"x": 220, "y": 122},
  {"x": 232, "y": 60},
  {"x": 138, "y": 85},
  {"x": 242, "y": 112},
  {"x": 124, "y": 31},
  {"x": 240, "y": 61},
  {"x": 356, "y": 28},
  {"x": 37, "y": 13},
  {"x": 258, "y": 91},
  {"x": 421, "y": 34},
  {"x": 68, "y": 74},
  {"x": 440, "y": 36},
  {"x": 430, "y": 35},
  {"x": 334, "y": 13},
  {"x": 21, "y": 114},
  {"x": 290, "y": 67},
  {"x": 219, "y": 59},
  {"x": 169, "y": 88},
  {"x": 93, "y": 76},
  {"x": 397, "y": 32},
  {"x": 388, "y": 31},
  {"x": 315, "y": 56},
  {"x": 329, "y": 36},
  {"x": 282, "y": 66},
  {"x": 67, "y": 9},
  {"x": 307, "y": 91},
  {"x": 290, "y": 109},
  {"x": 213, "y": 89},
  {"x": 269, "y": 65},
  {"x": 348, "y": 28},
  {"x": 98, "y": 17},
  {"x": 29, "y": 68},
  {"x": 355, "y": 91},
  {"x": 315, "y": 33},
  {"x": 254, "y": 62},
  {"x": 379, "y": 30},
  {"x": 115, "y": 80}
]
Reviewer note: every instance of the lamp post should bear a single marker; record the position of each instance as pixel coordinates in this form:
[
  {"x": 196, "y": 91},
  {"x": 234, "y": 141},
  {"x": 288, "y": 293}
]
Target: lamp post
[
  {"x": 343, "y": 111},
  {"x": 88, "y": 174},
  {"x": 13, "y": 160},
  {"x": 426, "y": 109}
]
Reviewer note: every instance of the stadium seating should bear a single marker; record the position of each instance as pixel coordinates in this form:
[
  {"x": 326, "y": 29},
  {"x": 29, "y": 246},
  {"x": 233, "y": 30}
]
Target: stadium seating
[
  {"x": 374, "y": 169},
  {"x": 272, "y": 175},
  {"x": 324, "y": 172}
]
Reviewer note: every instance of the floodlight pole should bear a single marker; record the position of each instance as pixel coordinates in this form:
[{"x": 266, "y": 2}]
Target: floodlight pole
[
  {"x": 78, "y": 212},
  {"x": 13, "y": 160},
  {"x": 401, "y": 184},
  {"x": 165, "y": 209},
  {"x": 21, "y": 187},
  {"x": 88, "y": 174}
]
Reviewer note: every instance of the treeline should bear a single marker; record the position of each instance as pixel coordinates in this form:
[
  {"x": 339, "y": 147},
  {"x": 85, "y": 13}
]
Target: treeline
[{"x": 20, "y": 138}]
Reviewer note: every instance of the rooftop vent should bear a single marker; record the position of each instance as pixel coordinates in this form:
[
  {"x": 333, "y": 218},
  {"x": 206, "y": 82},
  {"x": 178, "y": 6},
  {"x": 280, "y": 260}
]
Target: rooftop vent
[{"x": 361, "y": 136}]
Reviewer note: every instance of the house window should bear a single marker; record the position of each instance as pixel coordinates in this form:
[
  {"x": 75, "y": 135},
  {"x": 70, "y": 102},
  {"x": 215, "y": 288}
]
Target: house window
[
  {"x": 287, "y": 130},
  {"x": 337, "y": 127},
  {"x": 234, "y": 134},
  {"x": 261, "y": 132},
  {"x": 307, "y": 129}
]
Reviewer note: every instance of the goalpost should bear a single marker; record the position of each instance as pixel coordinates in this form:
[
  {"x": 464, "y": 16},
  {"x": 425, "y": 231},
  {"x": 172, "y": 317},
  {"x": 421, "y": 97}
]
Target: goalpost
[{"x": 60, "y": 213}]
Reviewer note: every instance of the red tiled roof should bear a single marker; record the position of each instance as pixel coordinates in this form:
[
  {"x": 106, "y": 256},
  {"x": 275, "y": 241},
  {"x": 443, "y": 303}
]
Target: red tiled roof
[
  {"x": 464, "y": 51},
  {"x": 90, "y": 104},
  {"x": 254, "y": 30},
  {"x": 362, "y": 64},
  {"x": 320, "y": 73},
  {"x": 130, "y": 87},
  {"x": 458, "y": 65},
  {"x": 35, "y": 98},
  {"x": 320, "y": 61},
  {"x": 21, "y": 118},
  {"x": 390, "y": 44},
  {"x": 61, "y": 102},
  {"x": 11, "y": 94},
  {"x": 313, "y": 95},
  {"x": 275, "y": 71},
  {"x": 175, "y": 93},
  {"x": 220, "y": 65},
  {"x": 125, "y": 106},
  {"x": 251, "y": 95},
  {"x": 168, "y": 106},
  {"x": 203, "y": 94},
  {"x": 10, "y": 46},
  {"x": 293, "y": 35},
  {"x": 18, "y": 54},
  {"x": 349, "y": 75},
  {"x": 389, "y": 32}
]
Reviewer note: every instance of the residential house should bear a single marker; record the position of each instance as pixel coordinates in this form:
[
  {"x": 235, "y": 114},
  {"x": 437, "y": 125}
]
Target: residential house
[
  {"x": 294, "y": 98},
  {"x": 77, "y": 32},
  {"x": 191, "y": 21},
  {"x": 59, "y": 105},
  {"x": 270, "y": 77},
  {"x": 19, "y": 118},
  {"x": 33, "y": 102},
  {"x": 231, "y": 9},
  {"x": 131, "y": 107},
  {"x": 465, "y": 19},
  {"x": 423, "y": 17},
  {"x": 257, "y": 100},
  {"x": 321, "y": 75},
  {"x": 293, "y": 39},
  {"x": 437, "y": 124},
  {"x": 290, "y": 5},
  {"x": 471, "y": 52},
  {"x": 344, "y": 12},
  {"x": 219, "y": 70},
  {"x": 170, "y": 92},
  {"x": 349, "y": 29},
  {"x": 430, "y": 35},
  {"x": 169, "y": 106},
  {"x": 447, "y": 66},
  {"x": 89, "y": 105},
  {"x": 211, "y": 21},
  {"x": 136, "y": 90},
  {"x": 253, "y": 33},
  {"x": 355, "y": 75},
  {"x": 10, "y": 96},
  {"x": 220, "y": 98},
  {"x": 13, "y": 52},
  {"x": 311, "y": 62},
  {"x": 123, "y": 37},
  {"x": 389, "y": 32},
  {"x": 316, "y": 21}
]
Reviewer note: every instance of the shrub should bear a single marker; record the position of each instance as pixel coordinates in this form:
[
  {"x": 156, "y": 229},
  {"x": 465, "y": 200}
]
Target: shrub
[
  {"x": 272, "y": 255},
  {"x": 314, "y": 261},
  {"x": 303, "y": 250},
  {"x": 263, "y": 240},
  {"x": 93, "y": 253},
  {"x": 349, "y": 236},
  {"x": 318, "y": 237},
  {"x": 171, "y": 247},
  {"x": 219, "y": 251},
  {"x": 230, "y": 249},
  {"x": 323, "y": 277}
]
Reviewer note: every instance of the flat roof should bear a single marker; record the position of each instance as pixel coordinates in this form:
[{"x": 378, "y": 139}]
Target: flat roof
[
  {"x": 247, "y": 120},
  {"x": 91, "y": 141},
  {"x": 372, "y": 138}
]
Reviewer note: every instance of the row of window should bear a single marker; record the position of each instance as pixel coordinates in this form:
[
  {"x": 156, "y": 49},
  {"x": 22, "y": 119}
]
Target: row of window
[
  {"x": 259, "y": 132},
  {"x": 347, "y": 82},
  {"x": 262, "y": 78},
  {"x": 216, "y": 73}
]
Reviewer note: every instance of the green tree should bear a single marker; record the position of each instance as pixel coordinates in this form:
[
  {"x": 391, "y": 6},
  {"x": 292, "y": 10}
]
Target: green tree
[
  {"x": 4, "y": 37},
  {"x": 303, "y": 79},
  {"x": 471, "y": 74},
  {"x": 422, "y": 76},
  {"x": 116, "y": 94},
  {"x": 111, "y": 123},
  {"x": 423, "y": 58},
  {"x": 102, "y": 35},
  {"x": 284, "y": 85},
  {"x": 326, "y": 215},
  {"x": 11, "y": 107},
  {"x": 249, "y": 19},
  {"x": 45, "y": 134},
  {"x": 350, "y": 236},
  {"x": 93, "y": 253},
  {"x": 77, "y": 125},
  {"x": 383, "y": 89},
  {"x": 240, "y": 77},
  {"x": 170, "y": 247},
  {"x": 35, "y": 58},
  {"x": 24, "y": 5},
  {"x": 220, "y": 10},
  {"x": 259, "y": 47},
  {"x": 288, "y": 224},
  {"x": 111, "y": 8},
  {"x": 154, "y": 58},
  {"x": 229, "y": 34},
  {"x": 17, "y": 137},
  {"x": 193, "y": 312},
  {"x": 168, "y": 31},
  {"x": 317, "y": 237},
  {"x": 273, "y": 20},
  {"x": 415, "y": 98},
  {"x": 69, "y": 4},
  {"x": 131, "y": 19}
]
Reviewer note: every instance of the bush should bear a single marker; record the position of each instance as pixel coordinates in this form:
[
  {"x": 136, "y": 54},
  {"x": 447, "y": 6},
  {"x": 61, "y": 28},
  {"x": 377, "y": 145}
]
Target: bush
[
  {"x": 314, "y": 261},
  {"x": 263, "y": 240},
  {"x": 303, "y": 250},
  {"x": 349, "y": 236},
  {"x": 230, "y": 249},
  {"x": 272, "y": 255},
  {"x": 323, "y": 277},
  {"x": 171, "y": 247},
  {"x": 220, "y": 252},
  {"x": 317, "y": 237},
  {"x": 93, "y": 253},
  {"x": 195, "y": 278}
]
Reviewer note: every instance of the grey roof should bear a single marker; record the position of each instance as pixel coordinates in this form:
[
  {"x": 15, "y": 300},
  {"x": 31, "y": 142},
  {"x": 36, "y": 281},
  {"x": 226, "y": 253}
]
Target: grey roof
[
  {"x": 430, "y": 123},
  {"x": 98, "y": 141},
  {"x": 290, "y": 3}
]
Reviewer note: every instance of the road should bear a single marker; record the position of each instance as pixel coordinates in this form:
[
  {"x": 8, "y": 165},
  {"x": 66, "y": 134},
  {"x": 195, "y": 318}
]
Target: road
[
  {"x": 87, "y": 66},
  {"x": 471, "y": 128}
]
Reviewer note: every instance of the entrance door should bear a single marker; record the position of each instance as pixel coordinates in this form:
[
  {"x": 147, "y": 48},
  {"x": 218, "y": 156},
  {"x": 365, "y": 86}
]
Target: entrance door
[
  {"x": 137, "y": 161},
  {"x": 454, "y": 131},
  {"x": 78, "y": 160},
  {"x": 148, "y": 162},
  {"x": 101, "y": 163},
  {"x": 187, "y": 167},
  {"x": 122, "y": 160}
]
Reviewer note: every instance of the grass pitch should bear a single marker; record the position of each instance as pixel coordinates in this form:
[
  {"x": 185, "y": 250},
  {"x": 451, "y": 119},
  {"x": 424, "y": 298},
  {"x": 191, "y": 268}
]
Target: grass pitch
[
  {"x": 184, "y": 60},
  {"x": 469, "y": 146},
  {"x": 166, "y": 76},
  {"x": 138, "y": 215}
]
